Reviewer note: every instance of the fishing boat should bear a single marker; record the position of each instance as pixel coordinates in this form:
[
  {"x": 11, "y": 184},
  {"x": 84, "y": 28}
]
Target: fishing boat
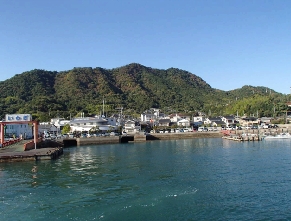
[{"x": 278, "y": 136}]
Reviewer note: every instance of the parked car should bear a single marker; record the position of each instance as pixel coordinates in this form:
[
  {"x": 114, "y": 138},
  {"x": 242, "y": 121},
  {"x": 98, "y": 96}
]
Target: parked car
[
  {"x": 53, "y": 137},
  {"x": 273, "y": 126},
  {"x": 200, "y": 129},
  {"x": 71, "y": 135}
]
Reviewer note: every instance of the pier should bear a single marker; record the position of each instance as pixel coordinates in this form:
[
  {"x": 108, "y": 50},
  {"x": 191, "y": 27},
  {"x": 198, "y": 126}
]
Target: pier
[
  {"x": 35, "y": 154},
  {"x": 251, "y": 137},
  {"x": 25, "y": 150}
]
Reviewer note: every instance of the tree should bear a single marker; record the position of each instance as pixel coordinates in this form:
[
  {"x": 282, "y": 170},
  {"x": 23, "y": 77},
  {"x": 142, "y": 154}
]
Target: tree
[{"x": 66, "y": 129}]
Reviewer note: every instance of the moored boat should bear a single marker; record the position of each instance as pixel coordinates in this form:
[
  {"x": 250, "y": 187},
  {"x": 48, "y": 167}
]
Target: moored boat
[{"x": 279, "y": 136}]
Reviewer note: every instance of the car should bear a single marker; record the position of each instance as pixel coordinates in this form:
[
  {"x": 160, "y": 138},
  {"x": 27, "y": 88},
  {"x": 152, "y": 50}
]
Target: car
[
  {"x": 210, "y": 128},
  {"x": 52, "y": 136},
  {"x": 273, "y": 126},
  {"x": 113, "y": 134},
  {"x": 83, "y": 135},
  {"x": 65, "y": 135},
  {"x": 200, "y": 129},
  {"x": 71, "y": 135}
]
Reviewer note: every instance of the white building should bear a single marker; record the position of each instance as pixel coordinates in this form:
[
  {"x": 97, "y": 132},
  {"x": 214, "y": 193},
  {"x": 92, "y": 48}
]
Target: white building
[
  {"x": 87, "y": 123},
  {"x": 130, "y": 127},
  {"x": 24, "y": 130},
  {"x": 183, "y": 123}
]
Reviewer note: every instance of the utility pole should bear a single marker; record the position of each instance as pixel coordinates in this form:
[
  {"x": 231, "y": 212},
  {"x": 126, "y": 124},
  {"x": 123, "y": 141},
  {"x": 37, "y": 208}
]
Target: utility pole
[{"x": 103, "y": 107}]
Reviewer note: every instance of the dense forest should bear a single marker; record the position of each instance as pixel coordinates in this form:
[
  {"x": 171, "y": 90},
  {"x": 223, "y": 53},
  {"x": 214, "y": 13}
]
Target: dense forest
[{"x": 134, "y": 88}]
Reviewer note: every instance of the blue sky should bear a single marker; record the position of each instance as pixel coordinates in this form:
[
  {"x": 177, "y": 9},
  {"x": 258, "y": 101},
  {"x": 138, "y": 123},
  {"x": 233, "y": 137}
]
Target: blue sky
[{"x": 228, "y": 43}]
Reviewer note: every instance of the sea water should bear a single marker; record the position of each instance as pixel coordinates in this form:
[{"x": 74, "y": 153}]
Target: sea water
[{"x": 192, "y": 179}]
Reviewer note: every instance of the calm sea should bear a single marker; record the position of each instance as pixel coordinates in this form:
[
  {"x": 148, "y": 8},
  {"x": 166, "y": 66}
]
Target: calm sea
[{"x": 193, "y": 179}]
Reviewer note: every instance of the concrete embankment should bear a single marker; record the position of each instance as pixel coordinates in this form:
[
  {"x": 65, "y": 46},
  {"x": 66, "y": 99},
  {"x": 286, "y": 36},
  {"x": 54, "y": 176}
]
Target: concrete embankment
[
  {"x": 48, "y": 149},
  {"x": 26, "y": 151},
  {"x": 138, "y": 138},
  {"x": 34, "y": 154},
  {"x": 191, "y": 135}
]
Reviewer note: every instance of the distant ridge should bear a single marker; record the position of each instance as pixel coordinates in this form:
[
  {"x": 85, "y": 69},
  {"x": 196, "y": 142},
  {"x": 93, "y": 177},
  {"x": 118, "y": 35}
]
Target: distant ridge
[{"x": 134, "y": 87}]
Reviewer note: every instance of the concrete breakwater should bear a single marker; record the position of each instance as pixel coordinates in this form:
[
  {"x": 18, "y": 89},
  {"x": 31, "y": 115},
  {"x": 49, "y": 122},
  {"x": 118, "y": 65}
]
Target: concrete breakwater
[
  {"x": 34, "y": 154},
  {"x": 49, "y": 149},
  {"x": 190, "y": 135},
  {"x": 138, "y": 138}
]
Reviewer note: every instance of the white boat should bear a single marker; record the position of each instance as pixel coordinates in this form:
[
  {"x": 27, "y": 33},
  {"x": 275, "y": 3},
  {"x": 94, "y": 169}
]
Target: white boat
[{"x": 279, "y": 136}]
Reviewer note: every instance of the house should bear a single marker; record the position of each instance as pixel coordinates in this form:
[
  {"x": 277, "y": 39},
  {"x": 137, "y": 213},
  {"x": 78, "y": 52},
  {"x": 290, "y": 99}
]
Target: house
[
  {"x": 87, "y": 123},
  {"x": 198, "y": 121},
  {"x": 247, "y": 121},
  {"x": 229, "y": 120},
  {"x": 178, "y": 117},
  {"x": 131, "y": 127},
  {"x": 164, "y": 122},
  {"x": 265, "y": 120},
  {"x": 214, "y": 121},
  {"x": 144, "y": 117},
  {"x": 183, "y": 123}
]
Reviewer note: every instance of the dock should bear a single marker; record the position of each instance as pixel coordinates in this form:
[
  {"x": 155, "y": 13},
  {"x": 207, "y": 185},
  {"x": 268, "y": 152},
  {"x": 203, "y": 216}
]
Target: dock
[
  {"x": 35, "y": 154},
  {"x": 19, "y": 151},
  {"x": 241, "y": 136}
]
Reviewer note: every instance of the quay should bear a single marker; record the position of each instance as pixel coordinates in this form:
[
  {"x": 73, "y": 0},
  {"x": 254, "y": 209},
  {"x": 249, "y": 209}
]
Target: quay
[
  {"x": 134, "y": 138},
  {"x": 26, "y": 150},
  {"x": 34, "y": 154}
]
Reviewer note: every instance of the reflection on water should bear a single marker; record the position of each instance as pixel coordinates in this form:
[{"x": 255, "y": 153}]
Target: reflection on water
[{"x": 199, "y": 179}]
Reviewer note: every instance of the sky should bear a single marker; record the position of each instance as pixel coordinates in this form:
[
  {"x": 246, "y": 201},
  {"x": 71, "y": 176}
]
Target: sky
[{"x": 228, "y": 43}]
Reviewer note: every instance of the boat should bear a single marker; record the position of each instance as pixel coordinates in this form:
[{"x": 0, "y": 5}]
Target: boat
[{"x": 279, "y": 136}]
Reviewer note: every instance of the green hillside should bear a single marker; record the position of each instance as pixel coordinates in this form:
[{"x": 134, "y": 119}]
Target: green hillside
[{"x": 136, "y": 88}]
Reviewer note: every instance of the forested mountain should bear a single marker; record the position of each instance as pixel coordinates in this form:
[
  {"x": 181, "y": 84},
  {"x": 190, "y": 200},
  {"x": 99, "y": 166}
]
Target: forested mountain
[{"x": 134, "y": 87}]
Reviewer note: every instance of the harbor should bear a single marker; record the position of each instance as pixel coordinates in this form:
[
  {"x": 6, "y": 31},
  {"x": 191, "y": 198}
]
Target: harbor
[
  {"x": 44, "y": 149},
  {"x": 27, "y": 150}
]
